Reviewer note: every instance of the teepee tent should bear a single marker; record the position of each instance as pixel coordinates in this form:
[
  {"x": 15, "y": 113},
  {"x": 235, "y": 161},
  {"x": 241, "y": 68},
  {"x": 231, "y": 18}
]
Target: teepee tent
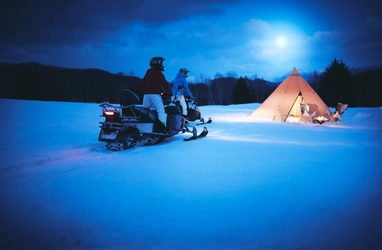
[{"x": 290, "y": 99}]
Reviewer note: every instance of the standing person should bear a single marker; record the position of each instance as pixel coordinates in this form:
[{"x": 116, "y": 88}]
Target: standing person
[
  {"x": 151, "y": 86},
  {"x": 180, "y": 90}
]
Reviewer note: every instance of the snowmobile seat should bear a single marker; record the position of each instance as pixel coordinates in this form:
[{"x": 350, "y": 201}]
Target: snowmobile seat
[
  {"x": 145, "y": 114},
  {"x": 172, "y": 110},
  {"x": 128, "y": 97},
  {"x": 139, "y": 112}
]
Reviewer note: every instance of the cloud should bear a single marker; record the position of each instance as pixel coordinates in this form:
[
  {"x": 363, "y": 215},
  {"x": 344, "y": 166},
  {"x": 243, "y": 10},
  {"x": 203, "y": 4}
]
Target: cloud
[
  {"x": 365, "y": 43},
  {"x": 256, "y": 27},
  {"x": 206, "y": 37},
  {"x": 358, "y": 46},
  {"x": 74, "y": 22}
]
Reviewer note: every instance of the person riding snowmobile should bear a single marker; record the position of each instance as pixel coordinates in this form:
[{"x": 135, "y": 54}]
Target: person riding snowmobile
[
  {"x": 151, "y": 86},
  {"x": 180, "y": 90}
]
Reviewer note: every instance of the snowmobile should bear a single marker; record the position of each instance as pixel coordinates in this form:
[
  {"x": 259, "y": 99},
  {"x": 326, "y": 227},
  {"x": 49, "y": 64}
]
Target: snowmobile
[
  {"x": 193, "y": 112},
  {"x": 130, "y": 124}
]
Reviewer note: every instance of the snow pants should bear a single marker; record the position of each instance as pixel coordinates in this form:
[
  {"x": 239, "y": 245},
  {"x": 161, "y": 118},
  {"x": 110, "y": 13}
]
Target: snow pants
[
  {"x": 155, "y": 100},
  {"x": 182, "y": 102}
]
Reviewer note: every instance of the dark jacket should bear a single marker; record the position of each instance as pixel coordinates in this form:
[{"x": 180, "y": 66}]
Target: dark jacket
[{"x": 153, "y": 81}]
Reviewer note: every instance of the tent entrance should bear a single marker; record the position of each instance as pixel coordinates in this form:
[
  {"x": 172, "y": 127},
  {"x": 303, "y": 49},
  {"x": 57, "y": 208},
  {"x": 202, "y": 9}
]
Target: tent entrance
[{"x": 295, "y": 114}]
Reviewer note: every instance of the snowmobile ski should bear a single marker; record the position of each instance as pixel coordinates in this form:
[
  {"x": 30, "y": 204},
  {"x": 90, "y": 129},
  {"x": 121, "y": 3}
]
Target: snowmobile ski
[
  {"x": 202, "y": 122},
  {"x": 195, "y": 134}
]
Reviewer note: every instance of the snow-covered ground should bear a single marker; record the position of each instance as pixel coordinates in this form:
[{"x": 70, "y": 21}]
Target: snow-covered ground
[{"x": 248, "y": 185}]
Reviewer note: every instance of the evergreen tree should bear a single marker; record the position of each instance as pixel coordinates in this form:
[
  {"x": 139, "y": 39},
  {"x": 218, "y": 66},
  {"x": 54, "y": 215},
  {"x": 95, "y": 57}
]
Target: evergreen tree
[
  {"x": 335, "y": 84},
  {"x": 314, "y": 80},
  {"x": 241, "y": 93}
]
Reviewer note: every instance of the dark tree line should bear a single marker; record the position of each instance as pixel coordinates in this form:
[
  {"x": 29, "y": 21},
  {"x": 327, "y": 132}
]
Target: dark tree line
[
  {"x": 229, "y": 89},
  {"x": 242, "y": 93},
  {"x": 368, "y": 88},
  {"x": 35, "y": 81},
  {"x": 337, "y": 84}
]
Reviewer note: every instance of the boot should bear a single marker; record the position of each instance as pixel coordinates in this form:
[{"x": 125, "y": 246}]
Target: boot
[{"x": 160, "y": 128}]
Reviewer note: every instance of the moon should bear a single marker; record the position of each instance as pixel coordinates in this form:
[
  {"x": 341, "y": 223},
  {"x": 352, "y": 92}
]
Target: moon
[{"x": 281, "y": 41}]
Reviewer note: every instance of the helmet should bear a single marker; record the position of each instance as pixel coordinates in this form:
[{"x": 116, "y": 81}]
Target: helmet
[
  {"x": 184, "y": 71},
  {"x": 156, "y": 62}
]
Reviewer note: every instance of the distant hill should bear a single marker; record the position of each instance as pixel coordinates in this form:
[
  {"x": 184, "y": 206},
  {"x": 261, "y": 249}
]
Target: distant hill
[{"x": 35, "y": 81}]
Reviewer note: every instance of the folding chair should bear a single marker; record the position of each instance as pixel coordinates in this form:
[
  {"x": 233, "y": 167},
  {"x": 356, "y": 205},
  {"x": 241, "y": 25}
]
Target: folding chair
[
  {"x": 308, "y": 117},
  {"x": 334, "y": 117},
  {"x": 341, "y": 108},
  {"x": 337, "y": 115}
]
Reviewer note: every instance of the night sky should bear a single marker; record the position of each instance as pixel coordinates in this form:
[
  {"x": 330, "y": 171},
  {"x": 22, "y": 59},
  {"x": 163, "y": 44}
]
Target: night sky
[{"x": 250, "y": 38}]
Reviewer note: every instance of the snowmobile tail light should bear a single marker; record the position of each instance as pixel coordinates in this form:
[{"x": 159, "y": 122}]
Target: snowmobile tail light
[
  {"x": 111, "y": 116},
  {"x": 109, "y": 113}
]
